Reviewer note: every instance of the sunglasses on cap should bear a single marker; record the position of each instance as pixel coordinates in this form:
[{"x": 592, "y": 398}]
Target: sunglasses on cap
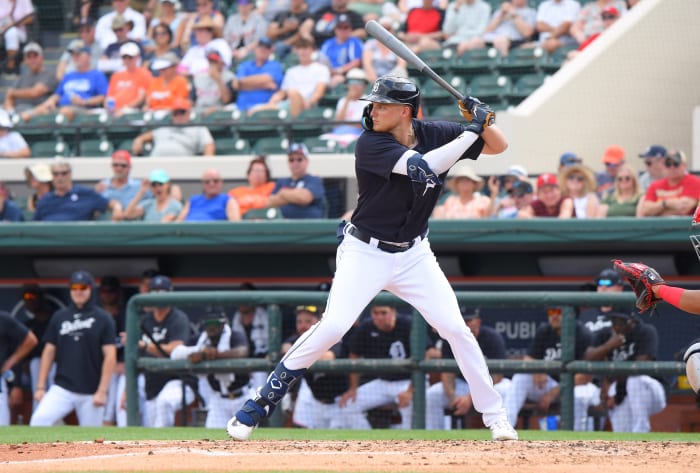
[
  {"x": 79, "y": 287},
  {"x": 307, "y": 308},
  {"x": 553, "y": 311}
]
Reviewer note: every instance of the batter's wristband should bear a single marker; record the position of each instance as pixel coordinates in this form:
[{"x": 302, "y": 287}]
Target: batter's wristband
[{"x": 671, "y": 294}]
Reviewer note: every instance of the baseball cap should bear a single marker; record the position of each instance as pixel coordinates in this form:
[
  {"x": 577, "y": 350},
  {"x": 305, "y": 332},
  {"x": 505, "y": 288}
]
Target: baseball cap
[
  {"x": 311, "y": 309},
  {"x": 182, "y": 104},
  {"x": 516, "y": 171},
  {"x": 676, "y": 156},
  {"x": 130, "y": 49},
  {"x": 356, "y": 76},
  {"x": 619, "y": 315},
  {"x": 298, "y": 148},
  {"x": 160, "y": 283},
  {"x": 265, "y": 41},
  {"x": 654, "y": 151},
  {"x": 159, "y": 175},
  {"x": 609, "y": 11},
  {"x": 118, "y": 22},
  {"x": 33, "y": 47},
  {"x": 568, "y": 159},
  {"x": 520, "y": 188},
  {"x": 82, "y": 277},
  {"x": 40, "y": 171},
  {"x": 343, "y": 19},
  {"x": 214, "y": 320},
  {"x": 547, "y": 179},
  {"x": 609, "y": 277},
  {"x": 168, "y": 59},
  {"x": 122, "y": 154},
  {"x": 78, "y": 46},
  {"x": 614, "y": 154},
  {"x": 469, "y": 314},
  {"x": 110, "y": 283}
]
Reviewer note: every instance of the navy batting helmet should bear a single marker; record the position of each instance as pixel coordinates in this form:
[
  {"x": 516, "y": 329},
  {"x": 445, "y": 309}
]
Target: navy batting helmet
[{"x": 392, "y": 89}]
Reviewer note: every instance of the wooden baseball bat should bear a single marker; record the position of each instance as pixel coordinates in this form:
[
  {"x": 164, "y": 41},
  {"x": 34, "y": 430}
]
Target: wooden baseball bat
[{"x": 404, "y": 52}]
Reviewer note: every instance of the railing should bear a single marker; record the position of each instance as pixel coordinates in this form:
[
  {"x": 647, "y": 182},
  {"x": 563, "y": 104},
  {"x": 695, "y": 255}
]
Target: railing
[{"x": 566, "y": 367}]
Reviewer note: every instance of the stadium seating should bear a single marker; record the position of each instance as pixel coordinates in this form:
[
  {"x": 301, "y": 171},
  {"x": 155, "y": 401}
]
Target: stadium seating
[
  {"x": 312, "y": 122},
  {"x": 476, "y": 61},
  {"x": 490, "y": 88},
  {"x": 524, "y": 86}
]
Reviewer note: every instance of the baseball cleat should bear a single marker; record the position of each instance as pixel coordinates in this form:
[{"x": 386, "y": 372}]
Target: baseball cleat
[
  {"x": 237, "y": 430},
  {"x": 502, "y": 430}
]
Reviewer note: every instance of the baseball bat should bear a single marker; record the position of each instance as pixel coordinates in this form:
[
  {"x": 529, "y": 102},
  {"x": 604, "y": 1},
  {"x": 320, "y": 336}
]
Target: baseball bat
[{"x": 404, "y": 52}]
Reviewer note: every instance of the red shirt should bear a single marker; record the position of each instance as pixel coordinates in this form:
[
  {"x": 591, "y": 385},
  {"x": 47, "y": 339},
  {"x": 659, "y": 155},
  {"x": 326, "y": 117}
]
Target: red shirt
[
  {"x": 661, "y": 190},
  {"x": 424, "y": 21}
]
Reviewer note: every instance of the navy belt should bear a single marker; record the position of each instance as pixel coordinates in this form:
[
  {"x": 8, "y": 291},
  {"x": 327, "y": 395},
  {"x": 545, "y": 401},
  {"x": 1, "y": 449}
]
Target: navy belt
[{"x": 388, "y": 246}]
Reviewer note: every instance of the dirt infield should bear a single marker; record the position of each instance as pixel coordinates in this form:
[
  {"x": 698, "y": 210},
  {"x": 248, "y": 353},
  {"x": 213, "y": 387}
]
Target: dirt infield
[{"x": 354, "y": 456}]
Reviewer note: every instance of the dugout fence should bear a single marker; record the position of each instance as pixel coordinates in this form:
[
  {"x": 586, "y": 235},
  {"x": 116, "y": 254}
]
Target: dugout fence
[{"x": 416, "y": 365}]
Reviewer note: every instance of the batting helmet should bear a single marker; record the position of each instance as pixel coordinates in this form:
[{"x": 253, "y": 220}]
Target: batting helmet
[{"x": 392, "y": 89}]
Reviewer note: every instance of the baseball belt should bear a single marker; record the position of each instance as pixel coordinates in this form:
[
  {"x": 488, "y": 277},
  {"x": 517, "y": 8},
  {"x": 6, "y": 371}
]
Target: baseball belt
[{"x": 388, "y": 246}]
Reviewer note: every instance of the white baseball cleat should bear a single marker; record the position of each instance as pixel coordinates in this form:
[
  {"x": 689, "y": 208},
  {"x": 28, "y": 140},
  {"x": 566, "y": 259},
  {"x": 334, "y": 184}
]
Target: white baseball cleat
[
  {"x": 502, "y": 430},
  {"x": 238, "y": 431}
]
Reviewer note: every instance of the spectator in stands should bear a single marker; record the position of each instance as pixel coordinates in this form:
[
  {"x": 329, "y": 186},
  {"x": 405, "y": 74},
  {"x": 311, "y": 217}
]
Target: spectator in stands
[
  {"x": 86, "y": 38},
  {"x": 302, "y": 195},
  {"x": 578, "y": 184},
  {"x": 609, "y": 16},
  {"x": 229, "y": 391},
  {"x": 379, "y": 60},
  {"x": 9, "y": 212},
  {"x": 385, "y": 335},
  {"x": 465, "y": 201},
  {"x": 500, "y": 186},
  {"x": 521, "y": 194},
  {"x": 40, "y": 179},
  {"x": 568, "y": 159},
  {"x": 243, "y": 29},
  {"x": 303, "y": 86},
  {"x": 342, "y": 52},
  {"x": 170, "y": 16},
  {"x": 259, "y": 188},
  {"x": 212, "y": 203},
  {"x": 554, "y": 20},
  {"x": 542, "y": 388},
  {"x": 349, "y": 109},
  {"x": 104, "y": 31},
  {"x": 14, "y": 16},
  {"x": 465, "y": 20},
  {"x": 630, "y": 400},
  {"x": 284, "y": 30},
  {"x": 80, "y": 90},
  {"x": 549, "y": 202},
  {"x": 128, "y": 87},
  {"x": 613, "y": 158},
  {"x": 186, "y": 36},
  {"x": 452, "y": 391},
  {"x": 512, "y": 25},
  {"x": 654, "y": 157},
  {"x": 154, "y": 201},
  {"x": 120, "y": 186},
  {"x": 208, "y": 36},
  {"x": 35, "y": 84},
  {"x": 168, "y": 87},
  {"x": 178, "y": 140},
  {"x": 81, "y": 340},
  {"x": 12, "y": 143},
  {"x": 213, "y": 87},
  {"x": 111, "y": 60},
  {"x": 321, "y": 25},
  {"x": 162, "y": 46},
  {"x": 423, "y": 27},
  {"x": 623, "y": 198},
  {"x": 675, "y": 195},
  {"x": 259, "y": 78},
  {"x": 170, "y": 326},
  {"x": 68, "y": 202}
]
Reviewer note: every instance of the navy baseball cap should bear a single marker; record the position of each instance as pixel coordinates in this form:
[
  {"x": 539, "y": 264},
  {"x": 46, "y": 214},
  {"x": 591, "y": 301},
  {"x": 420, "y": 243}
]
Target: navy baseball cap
[
  {"x": 160, "y": 283},
  {"x": 654, "y": 151},
  {"x": 266, "y": 42},
  {"x": 82, "y": 277},
  {"x": 469, "y": 314},
  {"x": 298, "y": 148},
  {"x": 520, "y": 188},
  {"x": 620, "y": 315},
  {"x": 609, "y": 277},
  {"x": 569, "y": 159}
]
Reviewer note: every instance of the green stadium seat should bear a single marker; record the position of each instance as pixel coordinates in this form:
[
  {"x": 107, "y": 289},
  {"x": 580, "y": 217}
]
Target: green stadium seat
[
  {"x": 490, "y": 88},
  {"x": 219, "y": 122},
  {"x": 317, "y": 145},
  {"x": 332, "y": 95},
  {"x": 432, "y": 93},
  {"x": 271, "y": 145},
  {"x": 39, "y": 126},
  {"x": 262, "y": 124},
  {"x": 439, "y": 60},
  {"x": 524, "y": 86},
  {"x": 522, "y": 61},
  {"x": 267, "y": 213},
  {"x": 555, "y": 60},
  {"x": 126, "y": 126},
  {"x": 476, "y": 61},
  {"x": 312, "y": 122},
  {"x": 95, "y": 148},
  {"x": 49, "y": 148},
  {"x": 233, "y": 146},
  {"x": 446, "y": 112}
]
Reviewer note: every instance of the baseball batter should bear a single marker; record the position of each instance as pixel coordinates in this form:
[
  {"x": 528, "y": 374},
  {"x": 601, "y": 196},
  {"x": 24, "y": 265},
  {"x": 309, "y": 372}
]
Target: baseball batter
[
  {"x": 400, "y": 163},
  {"x": 80, "y": 338}
]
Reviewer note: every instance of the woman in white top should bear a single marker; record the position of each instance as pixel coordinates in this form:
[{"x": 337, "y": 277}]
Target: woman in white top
[{"x": 578, "y": 183}]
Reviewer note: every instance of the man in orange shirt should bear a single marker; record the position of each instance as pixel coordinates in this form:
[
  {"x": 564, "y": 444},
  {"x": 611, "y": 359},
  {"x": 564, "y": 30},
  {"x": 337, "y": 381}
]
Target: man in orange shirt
[
  {"x": 127, "y": 88},
  {"x": 259, "y": 188},
  {"x": 169, "y": 87}
]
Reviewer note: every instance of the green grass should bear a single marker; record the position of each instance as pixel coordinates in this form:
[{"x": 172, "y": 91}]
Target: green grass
[{"x": 18, "y": 434}]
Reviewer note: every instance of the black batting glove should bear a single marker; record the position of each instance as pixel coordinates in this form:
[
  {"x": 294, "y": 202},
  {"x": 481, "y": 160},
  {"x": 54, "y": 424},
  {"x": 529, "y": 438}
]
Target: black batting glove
[{"x": 482, "y": 117}]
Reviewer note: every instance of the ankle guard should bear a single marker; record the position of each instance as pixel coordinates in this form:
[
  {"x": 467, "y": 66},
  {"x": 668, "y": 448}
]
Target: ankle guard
[{"x": 278, "y": 383}]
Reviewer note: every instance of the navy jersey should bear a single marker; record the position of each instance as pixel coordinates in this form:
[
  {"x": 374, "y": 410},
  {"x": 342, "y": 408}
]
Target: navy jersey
[
  {"x": 370, "y": 342},
  {"x": 491, "y": 342},
  {"x": 547, "y": 343},
  {"x": 594, "y": 320},
  {"x": 79, "y": 335},
  {"x": 643, "y": 339},
  {"x": 176, "y": 326},
  {"x": 387, "y": 207},
  {"x": 236, "y": 339},
  {"x": 313, "y": 184},
  {"x": 12, "y": 334}
]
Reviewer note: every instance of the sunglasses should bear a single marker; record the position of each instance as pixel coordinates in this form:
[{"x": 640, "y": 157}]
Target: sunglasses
[
  {"x": 160, "y": 33},
  {"x": 32, "y": 55},
  {"x": 120, "y": 165},
  {"x": 126, "y": 56},
  {"x": 295, "y": 160},
  {"x": 29, "y": 296},
  {"x": 79, "y": 287},
  {"x": 60, "y": 173},
  {"x": 613, "y": 165},
  {"x": 606, "y": 282},
  {"x": 179, "y": 112},
  {"x": 670, "y": 163},
  {"x": 623, "y": 178},
  {"x": 157, "y": 184},
  {"x": 554, "y": 311},
  {"x": 307, "y": 308},
  {"x": 577, "y": 178},
  {"x": 211, "y": 181},
  {"x": 648, "y": 162},
  {"x": 607, "y": 16}
]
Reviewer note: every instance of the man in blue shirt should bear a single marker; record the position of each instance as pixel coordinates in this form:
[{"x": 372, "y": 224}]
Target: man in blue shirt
[
  {"x": 301, "y": 195},
  {"x": 120, "y": 186},
  {"x": 256, "y": 80},
  {"x": 68, "y": 203}
]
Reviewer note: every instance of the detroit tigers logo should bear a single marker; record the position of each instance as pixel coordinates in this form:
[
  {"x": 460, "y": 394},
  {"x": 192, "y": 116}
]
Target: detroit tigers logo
[
  {"x": 397, "y": 351},
  {"x": 76, "y": 327},
  {"x": 375, "y": 87}
]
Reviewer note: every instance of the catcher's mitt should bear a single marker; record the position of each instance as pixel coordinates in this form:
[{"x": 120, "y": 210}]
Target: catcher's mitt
[{"x": 642, "y": 278}]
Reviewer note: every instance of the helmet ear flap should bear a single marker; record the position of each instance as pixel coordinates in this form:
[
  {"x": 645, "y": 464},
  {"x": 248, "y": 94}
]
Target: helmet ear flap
[{"x": 366, "y": 122}]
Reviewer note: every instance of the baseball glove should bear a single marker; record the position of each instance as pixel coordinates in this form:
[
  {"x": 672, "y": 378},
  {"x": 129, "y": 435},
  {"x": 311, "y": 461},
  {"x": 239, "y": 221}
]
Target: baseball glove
[
  {"x": 474, "y": 110},
  {"x": 642, "y": 278}
]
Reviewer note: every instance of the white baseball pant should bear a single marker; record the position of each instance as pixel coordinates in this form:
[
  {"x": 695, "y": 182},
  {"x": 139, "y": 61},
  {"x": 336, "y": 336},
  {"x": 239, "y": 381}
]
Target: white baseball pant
[
  {"x": 59, "y": 402},
  {"x": 645, "y": 397},
  {"x": 34, "y": 365},
  {"x": 220, "y": 409},
  {"x": 376, "y": 393},
  {"x": 311, "y": 413},
  {"x": 160, "y": 411},
  {"x": 4, "y": 403},
  {"x": 362, "y": 271}
]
